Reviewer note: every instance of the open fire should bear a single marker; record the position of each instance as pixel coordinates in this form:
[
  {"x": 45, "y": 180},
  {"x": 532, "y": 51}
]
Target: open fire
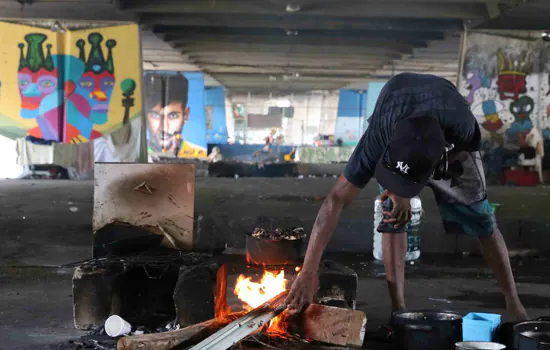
[{"x": 254, "y": 294}]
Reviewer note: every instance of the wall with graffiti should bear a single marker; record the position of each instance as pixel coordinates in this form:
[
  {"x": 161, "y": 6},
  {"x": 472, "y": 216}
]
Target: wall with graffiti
[
  {"x": 352, "y": 107},
  {"x": 71, "y": 87},
  {"x": 506, "y": 82},
  {"x": 216, "y": 125},
  {"x": 175, "y": 114}
]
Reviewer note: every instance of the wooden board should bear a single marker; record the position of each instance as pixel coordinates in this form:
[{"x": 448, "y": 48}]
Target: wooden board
[
  {"x": 344, "y": 327},
  {"x": 169, "y": 340},
  {"x": 165, "y": 198}
]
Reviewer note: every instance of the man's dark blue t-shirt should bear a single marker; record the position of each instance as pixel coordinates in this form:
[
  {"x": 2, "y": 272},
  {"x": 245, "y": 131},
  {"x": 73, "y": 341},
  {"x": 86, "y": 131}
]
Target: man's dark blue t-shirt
[{"x": 412, "y": 95}]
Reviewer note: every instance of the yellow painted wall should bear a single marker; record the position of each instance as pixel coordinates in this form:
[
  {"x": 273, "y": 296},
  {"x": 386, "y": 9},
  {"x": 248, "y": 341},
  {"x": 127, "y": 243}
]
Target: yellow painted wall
[{"x": 127, "y": 65}]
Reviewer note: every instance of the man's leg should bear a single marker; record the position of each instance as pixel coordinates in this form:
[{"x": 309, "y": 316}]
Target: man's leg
[
  {"x": 465, "y": 209},
  {"x": 478, "y": 220},
  {"x": 394, "y": 249},
  {"x": 495, "y": 253}
]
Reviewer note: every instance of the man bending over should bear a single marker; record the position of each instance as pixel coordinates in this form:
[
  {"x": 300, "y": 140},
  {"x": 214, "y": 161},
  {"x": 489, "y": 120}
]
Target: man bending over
[{"x": 421, "y": 133}]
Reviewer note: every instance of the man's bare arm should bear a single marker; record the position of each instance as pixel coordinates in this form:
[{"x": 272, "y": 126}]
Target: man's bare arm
[{"x": 340, "y": 195}]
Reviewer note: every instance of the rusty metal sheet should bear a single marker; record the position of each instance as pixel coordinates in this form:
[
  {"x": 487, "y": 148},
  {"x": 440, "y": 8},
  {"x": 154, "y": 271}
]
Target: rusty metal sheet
[{"x": 156, "y": 197}]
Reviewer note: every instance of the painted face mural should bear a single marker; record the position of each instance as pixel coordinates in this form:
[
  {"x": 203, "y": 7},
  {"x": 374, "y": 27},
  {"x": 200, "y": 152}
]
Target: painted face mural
[
  {"x": 522, "y": 108},
  {"x": 37, "y": 80},
  {"x": 97, "y": 82},
  {"x": 167, "y": 112},
  {"x": 165, "y": 124},
  {"x": 511, "y": 76}
]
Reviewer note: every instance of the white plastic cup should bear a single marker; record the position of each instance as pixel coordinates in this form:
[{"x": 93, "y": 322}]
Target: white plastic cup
[{"x": 116, "y": 326}]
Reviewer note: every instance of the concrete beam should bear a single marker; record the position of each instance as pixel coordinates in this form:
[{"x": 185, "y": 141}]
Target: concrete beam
[
  {"x": 303, "y": 72},
  {"x": 300, "y": 22},
  {"x": 525, "y": 15},
  {"x": 184, "y": 67},
  {"x": 166, "y": 59},
  {"x": 97, "y": 11},
  {"x": 390, "y": 73},
  {"x": 310, "y": 82},
  {"x": 437, "y": 56},
  {"x": 245, "y": 49},
  {"x": 180, "y": 42},
  {"x": 424, "y": 62},
  {"x": 288, "y": 61},
  {"x": 288, "y": 56},
  {"x": 421, "y": 68},
  {"x": 343, "y": 8},
  {"x": 413, "y": 37}
]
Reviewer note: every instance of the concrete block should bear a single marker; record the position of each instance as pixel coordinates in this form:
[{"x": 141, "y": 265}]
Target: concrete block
[
  {"x": 337, "y": 285},
  {"x": 95, "y": 295},
  {"x": 194, "y": 296}
]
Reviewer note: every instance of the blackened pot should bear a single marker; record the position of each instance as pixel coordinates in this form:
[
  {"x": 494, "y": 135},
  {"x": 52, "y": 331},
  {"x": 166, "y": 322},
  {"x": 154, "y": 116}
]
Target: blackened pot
[
  {"x": 507, "y": 336},
  {"x": 427, "y": 329},
  {"x": 532, "y": 335},
  {"x": 265, "y": 252}
]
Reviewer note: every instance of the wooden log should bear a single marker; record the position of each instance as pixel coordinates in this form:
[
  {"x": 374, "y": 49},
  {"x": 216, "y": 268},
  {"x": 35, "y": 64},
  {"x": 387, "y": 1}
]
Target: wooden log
[
  {"x": 245, "y": 325},
  {"x": 332, "y": 325},
  {"x": 182, "y": 337}
]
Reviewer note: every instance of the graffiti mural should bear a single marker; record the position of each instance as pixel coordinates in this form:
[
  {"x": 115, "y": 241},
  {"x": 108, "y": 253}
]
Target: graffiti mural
[
  {"x": 67, "y": 90},
  {"x": 507, "y": 90},
  {"x": 352, "y": 109},
  {"x": 175, "y": 113},
  {"x": 216, "y": 123}
]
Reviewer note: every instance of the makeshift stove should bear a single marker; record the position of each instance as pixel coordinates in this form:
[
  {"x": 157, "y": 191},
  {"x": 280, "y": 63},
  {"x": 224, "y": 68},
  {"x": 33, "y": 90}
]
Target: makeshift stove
[{"x": 143, "y": 223}]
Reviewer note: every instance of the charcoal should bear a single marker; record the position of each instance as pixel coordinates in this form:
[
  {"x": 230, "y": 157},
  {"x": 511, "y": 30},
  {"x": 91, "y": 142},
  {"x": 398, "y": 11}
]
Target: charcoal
[{"x": 279, "y": 234}]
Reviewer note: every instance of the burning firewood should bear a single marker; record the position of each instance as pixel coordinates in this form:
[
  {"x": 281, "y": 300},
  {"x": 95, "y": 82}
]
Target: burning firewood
[
  {"x": 181, "y": 337},
  {"x": 244, "y": 326}
]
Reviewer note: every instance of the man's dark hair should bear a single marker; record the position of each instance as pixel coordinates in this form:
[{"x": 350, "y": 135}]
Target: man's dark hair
[{"x": 164, "y": 89}]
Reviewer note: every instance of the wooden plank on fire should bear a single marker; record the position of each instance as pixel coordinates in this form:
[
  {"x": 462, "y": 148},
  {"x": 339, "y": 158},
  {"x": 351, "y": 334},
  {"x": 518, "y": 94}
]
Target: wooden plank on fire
[
  {"x": 245, "y": 325},
  {"x": 332, "y": 325},
  {"x": 181, "y": 337}
]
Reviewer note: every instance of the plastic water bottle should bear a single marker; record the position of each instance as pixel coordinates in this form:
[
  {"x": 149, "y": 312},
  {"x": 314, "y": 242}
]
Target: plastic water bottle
[
  {"x": 412, "y": 229},
  {"x": 377, "y": 236}
]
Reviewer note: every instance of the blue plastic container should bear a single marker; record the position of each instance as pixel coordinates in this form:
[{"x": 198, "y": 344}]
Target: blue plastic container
[{"x": 477, "y": 326}]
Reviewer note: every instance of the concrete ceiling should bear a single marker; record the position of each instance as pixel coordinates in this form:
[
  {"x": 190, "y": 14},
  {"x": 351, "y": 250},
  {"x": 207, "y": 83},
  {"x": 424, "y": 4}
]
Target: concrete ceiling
[{"x": 297, "y": 45}]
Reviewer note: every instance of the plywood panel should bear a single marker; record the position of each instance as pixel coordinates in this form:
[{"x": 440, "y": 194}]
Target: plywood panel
[{"x": 149, "y": 196}]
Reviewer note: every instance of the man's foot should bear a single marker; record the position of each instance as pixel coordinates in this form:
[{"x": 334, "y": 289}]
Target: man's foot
[{"x": 518, "y": 313}]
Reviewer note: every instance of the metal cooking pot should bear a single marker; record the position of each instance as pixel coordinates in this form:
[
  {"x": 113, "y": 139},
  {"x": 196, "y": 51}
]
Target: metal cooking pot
[
  {"x": 427, "y": 329},
  {"x": 533, "y": 335},
  {"x": 478, "y": 345},
  {"x": 265, "y": 252},
  {"x": 507, "y": 336}
]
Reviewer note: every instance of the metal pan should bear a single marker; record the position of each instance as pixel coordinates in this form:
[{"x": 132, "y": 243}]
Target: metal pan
[
  {"x": 478, "y": 345},
  {"x": 269, "y": 252},
  {"x": 427, "y": 329},
  {"x": 533, "y": 335}
]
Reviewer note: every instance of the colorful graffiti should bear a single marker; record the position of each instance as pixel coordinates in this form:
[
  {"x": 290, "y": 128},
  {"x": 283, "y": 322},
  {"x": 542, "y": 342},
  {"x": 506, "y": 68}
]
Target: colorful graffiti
[
  {"x": 216, "y": 124},
  {"x": 508, "y": 95},
  {"x": 352, "y": 108},
  {"x": 175, "y": 114},
  {"x": 67, "y": 90}
]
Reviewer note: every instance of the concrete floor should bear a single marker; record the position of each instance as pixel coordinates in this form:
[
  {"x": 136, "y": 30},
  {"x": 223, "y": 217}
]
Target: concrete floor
[{"x": 41, "y": 230}]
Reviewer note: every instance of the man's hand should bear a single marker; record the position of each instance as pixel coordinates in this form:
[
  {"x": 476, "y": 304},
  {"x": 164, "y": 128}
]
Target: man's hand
[
  {"x": 401, "y": 211},
  {"x": 303, "y": 291}
]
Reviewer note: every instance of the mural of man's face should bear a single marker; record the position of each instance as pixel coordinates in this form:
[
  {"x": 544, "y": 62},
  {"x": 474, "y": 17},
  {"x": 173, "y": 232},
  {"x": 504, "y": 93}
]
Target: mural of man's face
[{"x": 165, "y": 124}]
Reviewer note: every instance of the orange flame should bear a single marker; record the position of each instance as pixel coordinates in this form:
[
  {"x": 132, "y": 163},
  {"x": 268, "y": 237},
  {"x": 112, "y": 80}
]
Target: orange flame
[{"x": 254, "y": 294}]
